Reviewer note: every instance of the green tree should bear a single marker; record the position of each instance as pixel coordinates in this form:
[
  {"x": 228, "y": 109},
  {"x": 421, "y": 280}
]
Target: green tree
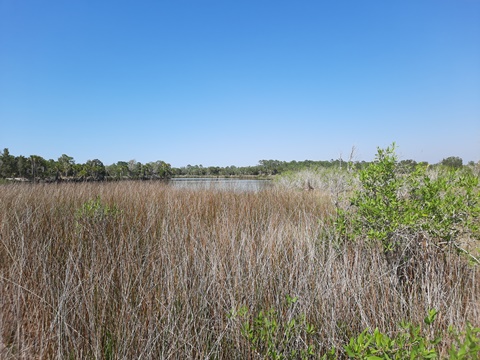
[
  {"x": 454, "y": 162},
  {"x": 66, "y": 164},
  {"x": 22, "y": 166},
  {"x": 38, "y": 165},
  {"x": 161, "y": 169},
  {"x": 271, "y": 167},
  {"x": 51, "y": 169},
  {"x": 95, "y": 169},
  {"x": 214, "y": 170},
  {"x": 147, "y": 171},
  {"x": 118, "y": 171},
  {"x": 7, "y": 164},
  {"x": 134, "y": 169}
]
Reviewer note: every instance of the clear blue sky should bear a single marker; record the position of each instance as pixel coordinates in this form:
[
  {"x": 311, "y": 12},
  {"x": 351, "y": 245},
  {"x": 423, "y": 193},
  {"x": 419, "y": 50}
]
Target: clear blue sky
[{"x": 234, "y": 82}]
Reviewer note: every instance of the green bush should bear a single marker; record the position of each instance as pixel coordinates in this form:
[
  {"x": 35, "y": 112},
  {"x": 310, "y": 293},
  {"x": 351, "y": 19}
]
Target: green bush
[
  {"x": 412, "y": 342},
  {"x": 272, "y": 337},
  {"x": 415, "y": 342},
  {"x": 276, "y": 337},
  {"x": 466, "y": 344},
  {"x": 442, "y": 206},
  {"x": 95, "y": 210},
  {"x": 94, "y": 214}
]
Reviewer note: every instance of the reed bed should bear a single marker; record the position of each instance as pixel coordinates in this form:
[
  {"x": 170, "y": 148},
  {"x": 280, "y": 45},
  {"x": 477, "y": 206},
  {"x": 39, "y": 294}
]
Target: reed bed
[{"x": 155, "y": 276}]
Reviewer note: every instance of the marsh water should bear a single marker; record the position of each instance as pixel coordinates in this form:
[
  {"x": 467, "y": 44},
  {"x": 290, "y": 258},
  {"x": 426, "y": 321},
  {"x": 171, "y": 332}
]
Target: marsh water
[{"x": 221, "y": 184}]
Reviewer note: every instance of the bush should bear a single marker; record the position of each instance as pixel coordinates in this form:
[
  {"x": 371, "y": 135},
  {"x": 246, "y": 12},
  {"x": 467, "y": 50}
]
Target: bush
[
  {"x": 441, "y": 207},
  {"x": 95, "y": 210},
  {"x": 466, "y": 344},
  {"x": 414, "y": 342},
  {"x": 411, "y": 343},
  {"x": 275, "y": 337}
]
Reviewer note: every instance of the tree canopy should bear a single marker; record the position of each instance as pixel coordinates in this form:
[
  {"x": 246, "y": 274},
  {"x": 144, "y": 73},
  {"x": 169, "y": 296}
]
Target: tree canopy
[{"x": 36, "y": 168}]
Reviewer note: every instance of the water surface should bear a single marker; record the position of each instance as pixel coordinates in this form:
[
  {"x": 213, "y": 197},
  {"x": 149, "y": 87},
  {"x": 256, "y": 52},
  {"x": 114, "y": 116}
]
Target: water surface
[{"x": 221, "y": 184}]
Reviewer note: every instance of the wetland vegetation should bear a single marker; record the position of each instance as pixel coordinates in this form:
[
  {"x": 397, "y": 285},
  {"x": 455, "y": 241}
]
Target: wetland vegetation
[{"x": 380, "y": 262}]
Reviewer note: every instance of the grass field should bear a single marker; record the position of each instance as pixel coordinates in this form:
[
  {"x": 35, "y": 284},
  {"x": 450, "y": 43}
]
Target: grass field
[{"x": 142, "y": 270}]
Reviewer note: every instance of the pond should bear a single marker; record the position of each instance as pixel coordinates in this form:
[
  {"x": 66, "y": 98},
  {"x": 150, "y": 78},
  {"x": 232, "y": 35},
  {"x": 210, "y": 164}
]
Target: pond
[{"x": 221, "y": 184}]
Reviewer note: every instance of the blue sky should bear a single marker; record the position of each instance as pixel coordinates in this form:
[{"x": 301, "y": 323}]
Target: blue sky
[{"x": 234, "y": 82}]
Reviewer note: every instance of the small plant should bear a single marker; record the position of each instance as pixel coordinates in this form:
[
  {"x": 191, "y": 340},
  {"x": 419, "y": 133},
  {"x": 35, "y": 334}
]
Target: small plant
[
  {"x": 95, "y": 213},
  {"x": 108, "y": 345},
  {"x": 466, "y": 344},
  {"x": 410, "y": 343},
  {"x": 95, "y": 210},
  {"x": 274, "y": 336},
  {"x": 413, "y": 342}
]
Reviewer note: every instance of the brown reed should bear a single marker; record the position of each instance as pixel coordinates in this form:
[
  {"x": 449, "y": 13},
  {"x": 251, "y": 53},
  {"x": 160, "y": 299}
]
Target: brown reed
[{"x": 156, "y": 278}]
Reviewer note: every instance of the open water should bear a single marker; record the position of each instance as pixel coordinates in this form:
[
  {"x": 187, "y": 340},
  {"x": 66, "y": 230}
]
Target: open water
[{"x": 221, "y": 184}]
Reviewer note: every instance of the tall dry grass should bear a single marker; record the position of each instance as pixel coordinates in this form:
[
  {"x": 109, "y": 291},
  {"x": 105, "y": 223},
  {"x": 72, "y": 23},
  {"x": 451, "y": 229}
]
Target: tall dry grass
[{"x": 156, "y": 279}]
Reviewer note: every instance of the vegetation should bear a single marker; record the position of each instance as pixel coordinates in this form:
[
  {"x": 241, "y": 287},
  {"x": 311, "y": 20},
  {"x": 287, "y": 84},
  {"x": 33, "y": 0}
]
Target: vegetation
[
  {"x": 270, "y": 337},
  {"x": 36, "y": 169},
  {"x": 414, "y": 342},
  {"x": 146, "y": 270},
  {"x": 291, "y": 340},
  {"x": 264, "y": 168},
  {"x": 392, "y": 206}
]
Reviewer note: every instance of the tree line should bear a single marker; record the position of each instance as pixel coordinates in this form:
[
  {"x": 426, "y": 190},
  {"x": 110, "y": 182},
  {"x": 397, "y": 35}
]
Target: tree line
[
  {"x": 263, "y": 168},
  {"x": 36, "y": 168},
  {"x": 276, "y": 167}
]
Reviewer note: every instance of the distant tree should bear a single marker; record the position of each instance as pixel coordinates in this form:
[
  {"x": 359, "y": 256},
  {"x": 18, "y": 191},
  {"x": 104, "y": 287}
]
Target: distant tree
[
  {"x": 38, "y": 165},
  {"x": 213, "y": 170},
  {"x": 271, "y": 167},
  {"x": 147, "y": 171},
  {"x": 134, "y": 169},
  {"x": 251, "y": 170},
  {"x": 406, "y": 166},
  {"x": 7, "y": 164},
  {"x": 52, "y": 170},
  {"x": 79, "y": 171},
  {"x": 453, "y": 162},
  {"x": 118, "y": 170},
  {"x": 66, "y": 164},
  {"x": 161, "y": 169},
  {"x": 111, "y": 171},
  {"x": 201, "y": 171},
  {"x": 95, "y": 169},
  {"x": 229, "y": 171},
  {"x": 22, "y": 166}
]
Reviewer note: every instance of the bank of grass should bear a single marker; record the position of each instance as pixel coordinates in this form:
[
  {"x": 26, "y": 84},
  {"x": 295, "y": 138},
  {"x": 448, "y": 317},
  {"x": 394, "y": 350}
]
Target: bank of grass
[{"x": 143, "y": 270}]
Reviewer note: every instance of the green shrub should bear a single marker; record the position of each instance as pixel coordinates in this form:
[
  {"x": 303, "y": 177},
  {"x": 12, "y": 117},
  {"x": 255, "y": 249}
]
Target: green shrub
[
  {"x": 466, "y": 344},
  {"x": 94, "y": 214},
  {"x": 276, "y": 337},
  {"x": 412, "y": 342},
  {"x": 415, "y": 342},
  {"x": 390, "y": 201},
  {"x": 95, "y": 210},
  {"x": 272, "y": 337}
]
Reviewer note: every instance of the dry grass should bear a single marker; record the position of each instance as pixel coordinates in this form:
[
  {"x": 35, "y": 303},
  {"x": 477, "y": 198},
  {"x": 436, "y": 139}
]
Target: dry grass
[{"x": 157, "y": 279}]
